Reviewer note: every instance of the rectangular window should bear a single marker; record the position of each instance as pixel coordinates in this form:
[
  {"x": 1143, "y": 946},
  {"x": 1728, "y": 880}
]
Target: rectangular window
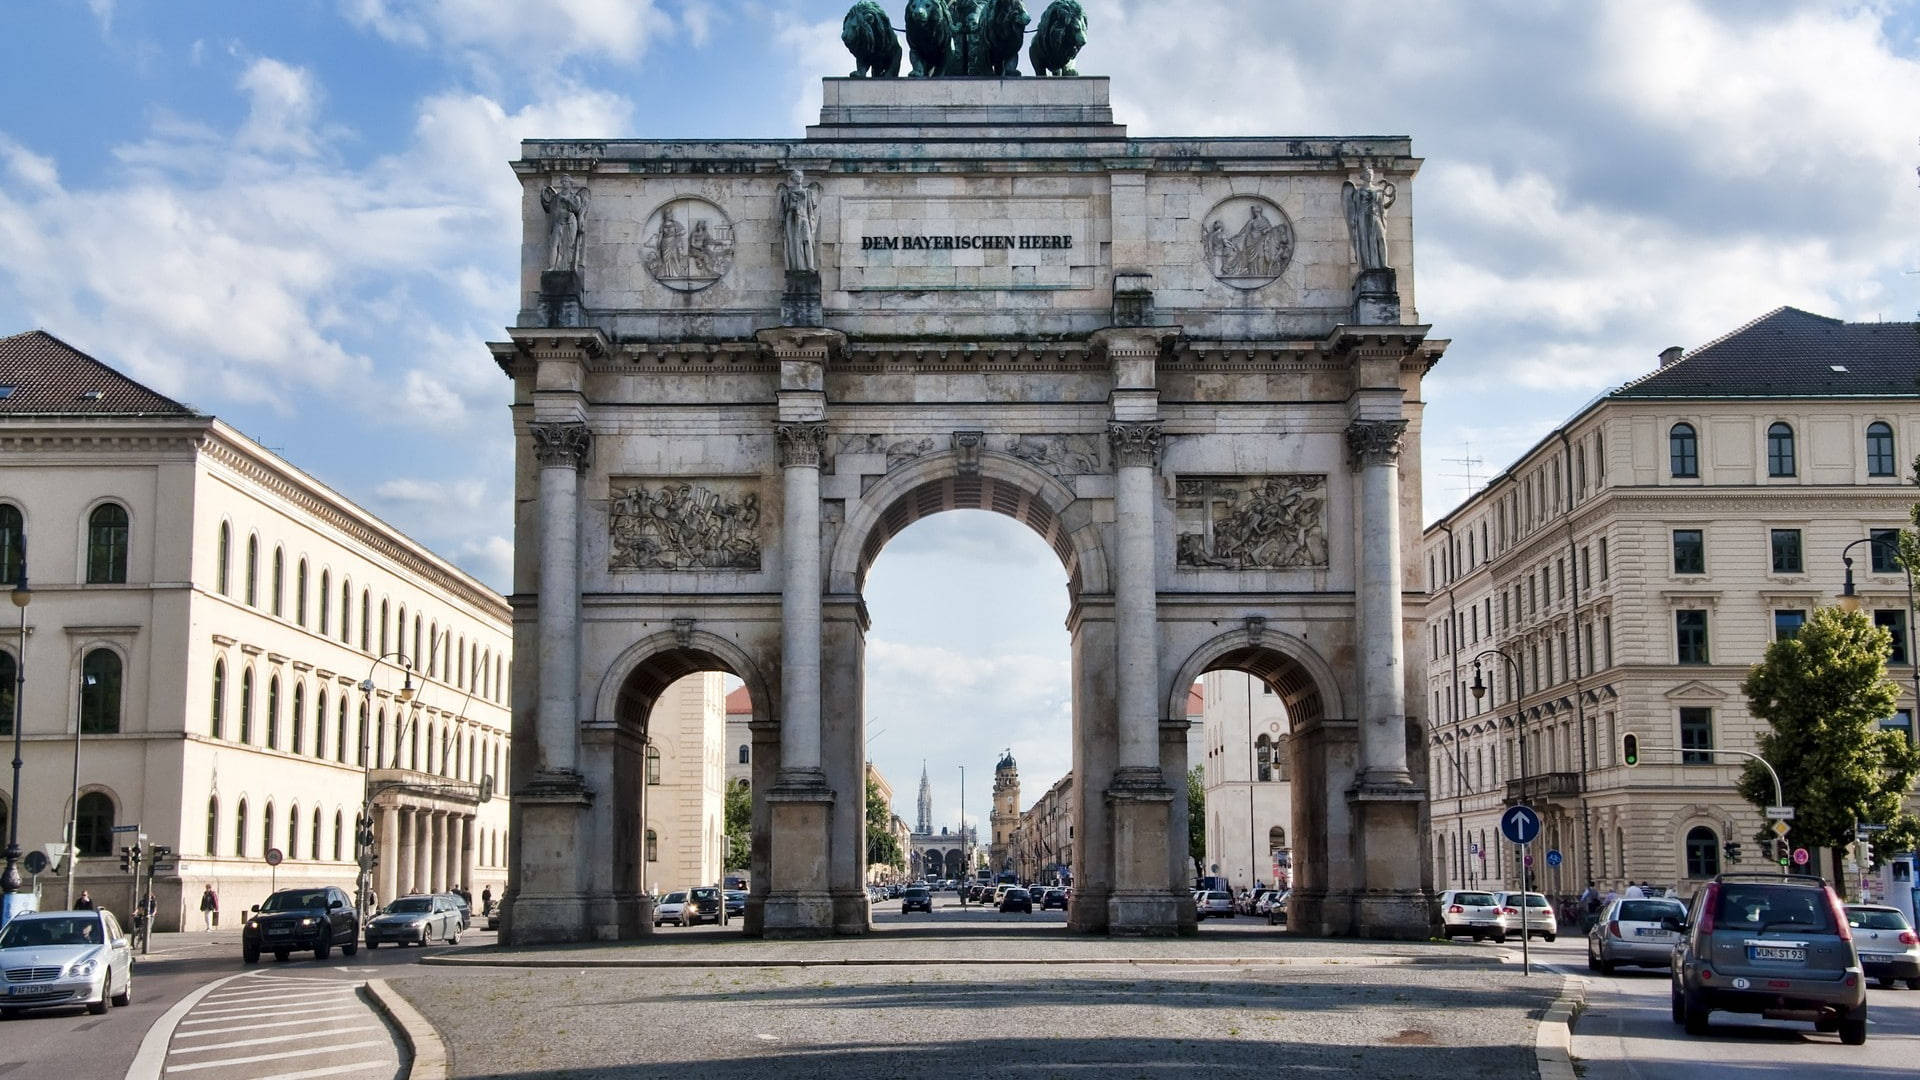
[
  {"x": 1885, "y": 547},
  {"x": 1894, "y": 622},
  {"x": 1603, "y": 558},
  {"x": 1689, "y": 551},
  {"x": 1606, "y": 636},
  {"x": 1560, "y": 577},
  {"x": 1506, "y": 615},
  {"x": 1901, "y": 721},
  {"x": 1533, "y": 594},
  {"x": 1786, "y": 552},
  {"x": 1787, "y": 623},
  {"x": 1586, "y": 568},
  {"x": 1690, "y": 636},
  {"x": 1696, "y": 735}
]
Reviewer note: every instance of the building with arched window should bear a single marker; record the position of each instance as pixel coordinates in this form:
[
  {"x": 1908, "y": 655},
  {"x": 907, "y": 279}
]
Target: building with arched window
[
  {"x": 161, "y": 634},
  {"x": 685, "y": 800},
  {"x": 1248, "y": 778}
]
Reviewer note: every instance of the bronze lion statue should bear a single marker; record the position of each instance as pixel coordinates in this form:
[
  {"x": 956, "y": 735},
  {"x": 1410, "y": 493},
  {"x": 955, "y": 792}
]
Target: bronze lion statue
[
  {"x": 868, "y": 35},
  {"x": 930, "y": 38},
  {"x": 1059, "y": 38},
  {"x": 998, "y": 36}
]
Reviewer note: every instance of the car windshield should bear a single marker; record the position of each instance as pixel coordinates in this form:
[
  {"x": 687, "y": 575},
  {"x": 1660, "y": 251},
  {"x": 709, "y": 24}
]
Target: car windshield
[
  {"x": 1218, "y": 896},
  {"x": 675, "y": 898},
  {"x": 1533, "y": 900},
  {"x": 705, "y": 894},
  {"x": 410, "y": 905},
  {"x": 296, "y": 900},
  {"x": 1762, "y": 907},
  {"x": 1478, "y": 898},
  {"x": 37, "y": 933},
  {"x": 1648, "y": 911},
  {"x": 1876, "y": 919},
  {"x": 914, "y": 892}
]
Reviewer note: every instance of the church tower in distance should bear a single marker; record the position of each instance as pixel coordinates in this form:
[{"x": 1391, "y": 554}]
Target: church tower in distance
[
  {"x": 925, "y": 825},
  {"x": 1006, "y": 813}
]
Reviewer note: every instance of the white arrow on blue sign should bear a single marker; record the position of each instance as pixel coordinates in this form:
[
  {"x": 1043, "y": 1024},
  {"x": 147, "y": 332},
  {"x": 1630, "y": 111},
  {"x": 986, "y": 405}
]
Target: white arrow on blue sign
[{"x": 1520, "y": 825}]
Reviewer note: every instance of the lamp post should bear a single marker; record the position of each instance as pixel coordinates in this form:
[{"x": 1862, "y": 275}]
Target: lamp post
[
  {"x": 1850, "y": 601},
  {"x": 966, "y": 864},
  {"x": 363, "y": 833},
  {"x": 1479, "y": 689},
  {"x": 10, "y": 878}
]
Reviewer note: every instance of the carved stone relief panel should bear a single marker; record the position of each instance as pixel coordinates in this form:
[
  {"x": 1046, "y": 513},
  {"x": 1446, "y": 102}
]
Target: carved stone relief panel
[
  {"x": 706, "y": 524},
  {"x": 898, "y": 449},
  {"x": 1061, "y": 455},
  {"x": 1248, "y": 241},
  {"x": 1276, "y": 522},
  {"x": 689, "y": 244}
]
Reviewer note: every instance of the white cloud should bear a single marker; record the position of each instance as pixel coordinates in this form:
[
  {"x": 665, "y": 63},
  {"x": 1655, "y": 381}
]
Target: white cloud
[
  {"x": 284, "y": 102},
  {"x": 538, "y": 32},
  {"x": 697, "y": 17},
  {"x": 103, "y": 11}
]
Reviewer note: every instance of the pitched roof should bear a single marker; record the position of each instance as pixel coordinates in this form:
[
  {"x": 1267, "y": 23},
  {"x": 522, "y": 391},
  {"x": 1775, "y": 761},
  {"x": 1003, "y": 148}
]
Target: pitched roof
[
  {"x": 1792, "y": 353},
  {"x": 40, "y": 375},
  {"x": 739, "y": 702}
]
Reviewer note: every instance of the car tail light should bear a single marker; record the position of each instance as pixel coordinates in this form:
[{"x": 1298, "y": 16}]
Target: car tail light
[
  {"x": 1706, "y": 974},
  {"x": 1907, "y": 938},
  {"x": 1509, "y": 911},
  {"x": 1839, "y": 915},
  {"x": 1456, "y": 910},
  {"x": 1613, "y": 927},
  {"x": 1707, "y": 907},
  {"x": 1852, "y": 979}
]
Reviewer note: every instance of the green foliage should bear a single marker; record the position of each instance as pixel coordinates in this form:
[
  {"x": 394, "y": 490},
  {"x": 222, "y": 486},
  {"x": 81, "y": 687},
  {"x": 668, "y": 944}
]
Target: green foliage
[
  {"x": 739, "y": 824},
  {"x": 1197, "y": 819},
  {"x": 883, "y": 847},
  {"x": 1823, "y": 693}
]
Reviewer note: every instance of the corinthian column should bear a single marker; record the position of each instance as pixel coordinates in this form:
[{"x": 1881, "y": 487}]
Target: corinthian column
[
  {"x": 1136, "y": 454},
  {"x": 561, "y": 450},
  {"x": 1373, "y": 449},
  {"x": 801, "y": 445}
]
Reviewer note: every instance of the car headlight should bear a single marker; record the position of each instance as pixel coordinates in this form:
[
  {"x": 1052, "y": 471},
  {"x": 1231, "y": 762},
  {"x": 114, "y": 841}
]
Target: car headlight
[
  {"x": 308, "y": 922},
  {"x": 253, "y": 924},
  {"x": 83, "y": 968}
]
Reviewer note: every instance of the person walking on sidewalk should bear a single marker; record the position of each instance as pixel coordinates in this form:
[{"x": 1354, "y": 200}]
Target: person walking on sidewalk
[
  {"x": 486, "y": 900},
  {"x": 210, "y": 907},
  {"x": 85, "y": 903}
]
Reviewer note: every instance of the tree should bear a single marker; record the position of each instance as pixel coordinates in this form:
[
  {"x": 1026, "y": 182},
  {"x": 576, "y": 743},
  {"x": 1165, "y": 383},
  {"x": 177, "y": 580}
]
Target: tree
[
  {"x": 1197, "y": 820},
  {"x": 739, "y": 824},
  {"x": 883, "y": 848},
  {"x": 1823, "y": 693}
]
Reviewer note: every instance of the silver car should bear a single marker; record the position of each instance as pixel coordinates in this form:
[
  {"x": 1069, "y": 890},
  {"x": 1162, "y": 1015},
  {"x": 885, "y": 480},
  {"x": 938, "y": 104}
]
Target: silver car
[
  {"x": 1633, "y": 932},
  {"x": 1540, "y": 919},
  {"x": 1471, "y": 911},
  {"x": 415, "y": 920},
  {"x": 1215, "y": 904},
  {"x": 1888, "y": 948},
  {"x": 64, "y": 958}
]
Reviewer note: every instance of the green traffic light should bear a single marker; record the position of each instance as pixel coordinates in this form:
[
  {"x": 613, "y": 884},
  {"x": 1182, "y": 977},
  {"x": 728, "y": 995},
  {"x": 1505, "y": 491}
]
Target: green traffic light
[{"x": 1630, "y": 748}]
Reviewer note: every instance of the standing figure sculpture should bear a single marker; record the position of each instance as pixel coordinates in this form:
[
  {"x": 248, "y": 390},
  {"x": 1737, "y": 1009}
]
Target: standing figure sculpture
[
  {"x": 963, "y": 57},
  {"x": 566, "y": 205},
  {"x": 930, "y": 38},
  {"x": 1366, "y": 205},
  {"x": 1060, "y": 37},
  {"x": 868, "y": 35},
  {"x": 800, "y": 213}
]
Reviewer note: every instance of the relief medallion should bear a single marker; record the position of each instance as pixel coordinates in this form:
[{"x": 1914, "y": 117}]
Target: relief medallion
[
  {"x": 1248, "y": 241},
  {"x": 689, "y": 244}
]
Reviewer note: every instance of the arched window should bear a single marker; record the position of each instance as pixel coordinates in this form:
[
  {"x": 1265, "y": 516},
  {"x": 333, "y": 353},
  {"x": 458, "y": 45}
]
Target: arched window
[
  {"x": 360, "y": 742},
  {"x": 366, "y": 616},
  {"x": 433, "y": 650},
  {"x": 219, "y": 726},
  {"x": 486, "y": 673},
  {"x": 460, "y": 662},
  {"x": 266, "y": 828},
  {"x": 223, "y": 570},
  {"x": 1263, "y": 758},
  {"x": 653, "y": 765},
  {"x": 324, "y": 594},
  {"x": 213, "y": 826},
  {"x": 1276, "y": 840},
  {"x": 293, "y": 832},
  {"x": 1683, "y": 451},
  {"x": 300, "y": 594},
  {"x": 1879, "y": 451},
  {"x": 107, "y": 544},
  {"x": 413, "y": 748},
  {"x": 416, "y": 646},
  {"x": 1703, "y": 852},
  {"x": 253, "y": 572},
  {"x": 313, "y": 848},
  {"x": 9, "y": 682},
  {"x": 100, "y": 692},
  {"x": 653, "y": 846},
  {"x": 383, "y": 628},
  {"x": 340, "y": 733},
  {"x": 13, "y": 543},
  {"x": 380, "y": 740},
  {"x": 338, "y": 832},
  {"x": 246, "y": 705},
  {"x": 743, "y": 753},
  {"x": 240, "y": 830},
  {"x": 279, "y": 581},
  {"x": 346, "y": 611},
  {"x": 273, "y": 714},
  {"x": 1780, "y": 450},
  {"x": 299, "y": 724},
  {"x": 320, "y": 722},
  {"x": 93, "y": 824}
]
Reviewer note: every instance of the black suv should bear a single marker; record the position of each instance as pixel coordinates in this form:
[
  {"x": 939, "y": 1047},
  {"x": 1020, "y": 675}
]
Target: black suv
[
  {"x": 707, "y": 904},
  {"x": 1768, "y": 944},
  {"x": 316, "y": 918},
  {"x": 916, "y": 898}
]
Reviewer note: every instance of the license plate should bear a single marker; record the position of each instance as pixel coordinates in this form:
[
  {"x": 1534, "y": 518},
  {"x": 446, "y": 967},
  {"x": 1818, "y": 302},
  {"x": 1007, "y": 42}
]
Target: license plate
[
  {"x": 1775, "y": 952},
  {"x": 28, "y": 991},
  {"x": 1876, "y": 957},
  {"x": 1647, "y": 931},
  {"x": 278, "y": 933}
]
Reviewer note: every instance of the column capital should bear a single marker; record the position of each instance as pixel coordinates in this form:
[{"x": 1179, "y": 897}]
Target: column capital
[
  {"x": 1135, "y": 444},
  {"x": 561, "y": 445},
  {"x": 1374, "y": 442},
  {"x": 802, "y": 442}
]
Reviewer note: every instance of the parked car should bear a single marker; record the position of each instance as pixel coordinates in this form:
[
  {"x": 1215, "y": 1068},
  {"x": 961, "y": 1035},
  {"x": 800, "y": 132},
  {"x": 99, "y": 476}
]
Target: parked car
[
  {"x": 1633, "y": 932},
  {"x": 1055, "y": 897},
  {"x": 1772, "y": 945},
  {"x": 460, "y": 907},
  {"x": 736, "y": 904},
  {"x": 705, "y": 904},
  {"x": 64, "y": 958},
  {"x": 318, "y": 918},
  {"x": 1889, "y": 950},
  {"x": 672, "y": 908},
  {"x": 1016, "y": 899},
  {"x": 916, "y": 898},
  {"x": 1277, "y": 907},
  {"x": 415, "y": 920},
  {"x": 1215, "y": 904},
  {"x": 493, "y": 917},
  {"x": 1539, "y": 919},
  {"x": 1473, "y": 912}
]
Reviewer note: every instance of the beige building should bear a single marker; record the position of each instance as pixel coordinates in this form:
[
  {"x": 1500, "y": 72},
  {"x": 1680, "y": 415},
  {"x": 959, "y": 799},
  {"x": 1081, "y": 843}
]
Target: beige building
[
  {"x": 1248, "y": 772},
  {"x": 236, "y": 654},
  {"x": 686, "y": 807},
  {"x": 1043, "y": 841},
  {"x": 1630, "y": 568}
]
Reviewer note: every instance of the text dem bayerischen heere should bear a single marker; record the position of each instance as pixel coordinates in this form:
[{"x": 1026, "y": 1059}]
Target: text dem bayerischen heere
[{"x": 979, "y": 242}]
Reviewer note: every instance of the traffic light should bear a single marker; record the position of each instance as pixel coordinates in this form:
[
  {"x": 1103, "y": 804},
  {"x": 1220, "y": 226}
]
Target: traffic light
[
  {"x": 1780, "y": 852},
  {"x": 1630, "y": 748},
  {"x": 1866, "y": 854},
  {"x": 1732, "y": 848},
  {"x": 129, "y": 859}
]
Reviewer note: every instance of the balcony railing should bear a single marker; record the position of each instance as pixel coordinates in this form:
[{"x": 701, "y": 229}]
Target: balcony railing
[{"x": 1544, "y": 786}]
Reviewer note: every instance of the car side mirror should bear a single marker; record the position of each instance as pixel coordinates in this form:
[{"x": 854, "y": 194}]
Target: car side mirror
[
  {"x": 335, "y": 905},
  {"x": 256, "y": 909}
]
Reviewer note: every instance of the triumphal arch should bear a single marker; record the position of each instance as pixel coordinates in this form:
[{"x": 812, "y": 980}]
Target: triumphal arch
[{"x": 1192, "y": 365}]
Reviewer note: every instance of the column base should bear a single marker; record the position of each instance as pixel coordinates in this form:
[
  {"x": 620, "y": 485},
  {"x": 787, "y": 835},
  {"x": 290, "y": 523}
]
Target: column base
[
  {"x": 852, "y": 914},
  {"x": 1393, "y": 915},
  {"x": 800, "y": 901},
  {"x": 1088, "y": 913},
  {"x": 1146, "y": 914},
  {"x": 544, "y": 902},
  {"x": 1142, "y": 901}
]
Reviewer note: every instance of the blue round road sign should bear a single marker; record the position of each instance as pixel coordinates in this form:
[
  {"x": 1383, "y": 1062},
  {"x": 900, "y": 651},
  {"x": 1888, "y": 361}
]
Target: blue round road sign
[
  {"x": 1520, "y": 825},
  {"x": 1553, "y": 857}
]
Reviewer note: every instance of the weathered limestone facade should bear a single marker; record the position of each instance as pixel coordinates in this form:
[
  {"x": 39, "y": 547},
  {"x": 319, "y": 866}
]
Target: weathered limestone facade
[{"x": 1160, "y": 354}]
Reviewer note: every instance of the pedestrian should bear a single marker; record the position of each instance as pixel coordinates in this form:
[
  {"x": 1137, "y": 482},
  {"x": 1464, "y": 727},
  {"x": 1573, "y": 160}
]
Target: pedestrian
[
  {"x": 85, "y": 903},
  {"x": 486, "y": 900},
  {"x": 210, "y": 907},
  {"x": 1590, "y": 906},
  {"x": 373, "y": 900}
]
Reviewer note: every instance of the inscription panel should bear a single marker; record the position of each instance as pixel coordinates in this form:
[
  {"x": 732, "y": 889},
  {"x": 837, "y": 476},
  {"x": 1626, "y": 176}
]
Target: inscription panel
[{"x": 956, "y": 244}]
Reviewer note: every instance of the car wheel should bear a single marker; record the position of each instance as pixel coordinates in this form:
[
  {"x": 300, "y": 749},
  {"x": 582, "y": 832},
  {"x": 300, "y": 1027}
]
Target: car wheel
[
  {"x": 1606, "y": 967},
  {"x": 1679, "y": 1004},
  {"x": 1549, "y": 937},
  {"x": 351, "y": 948},
  {"x": 372, "y": 944},
  {"x": 125, "y": 996},
  {"x": 1913, "y": 984},
  {"x": 1499, "y": 937},
  {"x": 1593, "y": 963},
  {"x": 251, "y": 956},
  {"x": 106, "y": 992},
  {"x": 325, "y": 948},
  {"x": 1696, "y": 1019},
  {"x": 1476, "y": 937},
  {"x": 281, "y": 955},
  {"x": 9, "y": 1014},
  {"x": 453, "y": 938},
  {"x": 1853, "y": 1031}
]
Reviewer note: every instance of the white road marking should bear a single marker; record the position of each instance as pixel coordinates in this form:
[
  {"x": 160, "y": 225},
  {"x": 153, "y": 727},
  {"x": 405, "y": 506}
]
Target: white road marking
[
  {"x": 332, "y": 1070},
  {"x": 262, "y": 1008},
  {"x": 332, "y": 1016},
  {"x": 331, "y": 1012},
  {"x": 198, "y": 1065},
  {"x": 153, "y": 1046},
  {"x": 277, "y": 994},
  {"x": 269, "y": 1039}
]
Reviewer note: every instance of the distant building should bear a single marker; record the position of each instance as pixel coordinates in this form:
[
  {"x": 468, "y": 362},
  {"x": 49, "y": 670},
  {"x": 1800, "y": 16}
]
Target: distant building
[
  {"x": 1248, "y": 772},
  {"x": 238, "y": 655},
  {"x": 938, "y": 852},
  {"x": 739, "y": 736},
  {"x": 887, "y": 872},
  {"x": 1632, "y": 565},
  {"x": 686, "y": 825},
  {"x": 1005, "y": 817}
]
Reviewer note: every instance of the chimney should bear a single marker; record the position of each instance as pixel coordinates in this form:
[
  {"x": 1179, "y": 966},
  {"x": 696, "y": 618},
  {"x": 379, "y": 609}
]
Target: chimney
[{"x": 1670, "y": 355}]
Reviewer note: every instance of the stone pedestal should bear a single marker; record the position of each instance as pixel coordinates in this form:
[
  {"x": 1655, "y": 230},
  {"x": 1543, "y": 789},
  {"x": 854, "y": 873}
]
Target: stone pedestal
[
  {"x": 800, "y": 302},
  {"x": 800, "y": 902},
  {"x": 1132, "y": 298},
  {"x": 562, "y": 298},
  {"x": 1389, "y": 848},
  {"x": 1141, "y": 903},
  {"x": 1376, "y": 299},
  {"x": 550, "y": 825}
]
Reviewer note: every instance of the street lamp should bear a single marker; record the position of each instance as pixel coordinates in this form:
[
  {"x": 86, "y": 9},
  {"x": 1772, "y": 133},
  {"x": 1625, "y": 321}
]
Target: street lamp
[
  {"x": 1850, "y": 600},
  {"x": 1479, "y": 689},
  {"x": 363, "y": 833},
  {"x": 22, "y": 596}
]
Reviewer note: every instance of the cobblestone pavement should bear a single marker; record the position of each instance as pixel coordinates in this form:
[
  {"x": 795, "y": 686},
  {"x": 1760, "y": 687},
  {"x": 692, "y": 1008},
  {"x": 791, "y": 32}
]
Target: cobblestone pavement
[{"x": 1249, "y": 1004}]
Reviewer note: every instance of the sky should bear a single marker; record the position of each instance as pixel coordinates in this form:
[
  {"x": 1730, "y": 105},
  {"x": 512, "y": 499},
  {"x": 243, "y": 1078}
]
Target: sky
[{"x": 298, "y": 215}]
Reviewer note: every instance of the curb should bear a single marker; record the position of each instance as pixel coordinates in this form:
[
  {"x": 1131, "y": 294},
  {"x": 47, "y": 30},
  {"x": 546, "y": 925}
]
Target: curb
[
  {"x": 921, "y": 961},
  {"x": 1553, "y": 1040},
  {"x": 429, "y": 1051}
]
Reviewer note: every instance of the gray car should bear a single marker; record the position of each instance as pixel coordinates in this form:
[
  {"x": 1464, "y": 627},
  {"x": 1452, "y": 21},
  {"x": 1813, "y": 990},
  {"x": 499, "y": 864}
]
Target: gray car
[
  {"x": 1774, "y": 945},
  {"x": 415, "y": 920},
  {"x": 50, "y": 958},
  {"x": 1633, "y": 932}
]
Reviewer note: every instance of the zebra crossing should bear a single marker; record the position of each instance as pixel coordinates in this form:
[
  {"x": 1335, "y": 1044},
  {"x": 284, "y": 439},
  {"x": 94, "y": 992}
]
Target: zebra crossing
[{"x": 265, "y": 1026}]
